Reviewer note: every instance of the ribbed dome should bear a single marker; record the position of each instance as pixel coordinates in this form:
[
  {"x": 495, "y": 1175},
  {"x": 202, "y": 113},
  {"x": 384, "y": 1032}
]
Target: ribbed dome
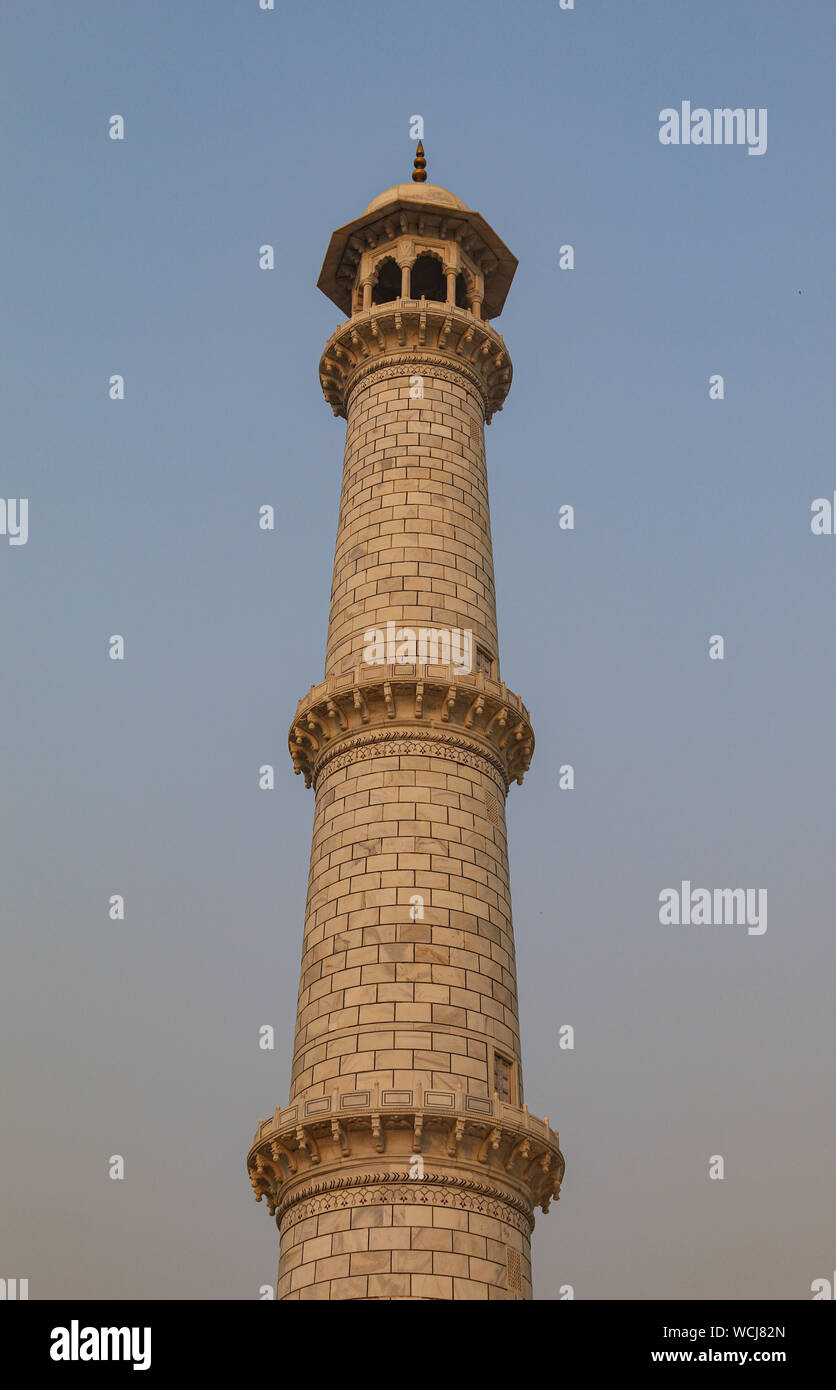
[{"x": 419, "y": 193}]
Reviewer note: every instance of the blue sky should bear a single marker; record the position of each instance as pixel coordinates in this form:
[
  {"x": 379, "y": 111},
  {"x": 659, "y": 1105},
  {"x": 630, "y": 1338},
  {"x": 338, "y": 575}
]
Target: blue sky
[{"x": 692, "y": 518}]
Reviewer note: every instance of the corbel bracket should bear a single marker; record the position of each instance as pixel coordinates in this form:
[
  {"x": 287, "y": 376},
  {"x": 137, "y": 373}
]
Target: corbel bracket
[{"x": 490, "y": 1141}]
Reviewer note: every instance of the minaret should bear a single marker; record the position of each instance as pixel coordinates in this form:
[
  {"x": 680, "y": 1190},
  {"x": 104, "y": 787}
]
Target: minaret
[{"x": 406, "y": 1164}]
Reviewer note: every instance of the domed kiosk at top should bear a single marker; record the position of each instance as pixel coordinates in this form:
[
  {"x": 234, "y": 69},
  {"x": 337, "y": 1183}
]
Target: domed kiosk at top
[{"x": 418, "y": 240}]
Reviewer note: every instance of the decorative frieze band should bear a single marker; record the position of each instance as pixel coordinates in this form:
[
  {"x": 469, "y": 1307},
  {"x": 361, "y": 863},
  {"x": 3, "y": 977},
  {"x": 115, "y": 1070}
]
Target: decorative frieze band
[
  {"x": 471, "y": 720},
  {"x": 395, "y": 1189},
  {"x": 406, "y": 364},
  {"x": 406, "y": 743}
]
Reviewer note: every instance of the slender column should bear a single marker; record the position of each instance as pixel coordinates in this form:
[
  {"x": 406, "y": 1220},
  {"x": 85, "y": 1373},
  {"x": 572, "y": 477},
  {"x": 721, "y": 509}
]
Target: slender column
[
  {"x": 406, "y": 1164},
  {"x": 413, "y": 539}
]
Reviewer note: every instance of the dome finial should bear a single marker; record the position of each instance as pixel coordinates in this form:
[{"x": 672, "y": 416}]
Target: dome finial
[{"x": 419, "y": 173}]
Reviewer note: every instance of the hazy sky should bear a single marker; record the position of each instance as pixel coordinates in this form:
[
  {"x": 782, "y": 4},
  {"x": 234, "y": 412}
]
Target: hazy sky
[{"x": 692, "y": 518}]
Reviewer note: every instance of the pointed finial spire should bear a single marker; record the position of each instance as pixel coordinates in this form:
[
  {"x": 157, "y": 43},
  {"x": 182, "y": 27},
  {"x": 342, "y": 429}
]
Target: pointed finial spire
[{"x": 419, "y": 173}]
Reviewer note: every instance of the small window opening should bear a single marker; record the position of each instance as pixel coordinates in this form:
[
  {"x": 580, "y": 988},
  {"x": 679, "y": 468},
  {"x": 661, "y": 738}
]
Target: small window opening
[
  {"x": 428, "y": 279},
  {"x": 388, "y": 285},
  {"x": 502, "y": 1075},
  {"x": 484, "y": 662}
]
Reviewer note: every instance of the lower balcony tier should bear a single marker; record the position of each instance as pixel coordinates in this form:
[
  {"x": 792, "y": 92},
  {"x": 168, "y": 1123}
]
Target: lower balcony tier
[{"x": 409, "y": 1140}]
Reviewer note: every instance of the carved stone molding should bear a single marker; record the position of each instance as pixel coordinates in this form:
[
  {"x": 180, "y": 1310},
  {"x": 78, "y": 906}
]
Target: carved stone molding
[
  {"x": 470, "y": 719},
  {"x": 396, "y": 1189},
  {"x": 407, "y": 744},
  {"x": 398, "y": 365},
  {"x": 396, "y": 338},
  {"x": 353, "y": 1146}
]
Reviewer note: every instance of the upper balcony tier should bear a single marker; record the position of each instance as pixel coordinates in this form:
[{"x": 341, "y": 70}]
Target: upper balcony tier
[{"x": 414, "y": 335}]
